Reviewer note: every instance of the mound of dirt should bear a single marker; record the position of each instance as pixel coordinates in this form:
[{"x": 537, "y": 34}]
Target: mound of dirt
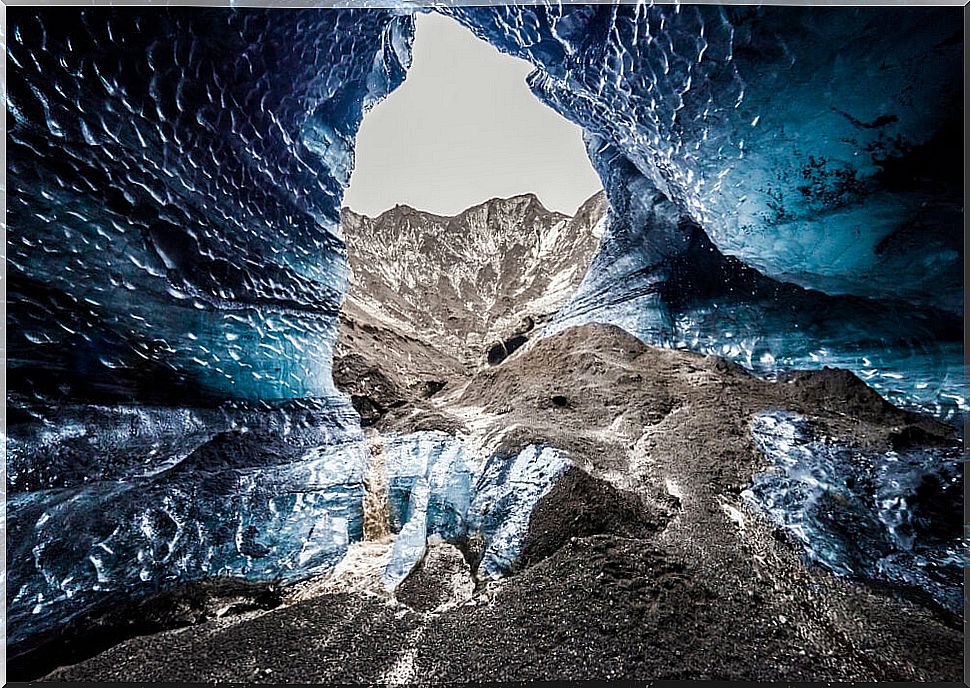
[
  {"x": 646, "y": 564},
  {"x": 835, "y": 389},
  {"x": 442, "y": 578},
  {"x": 579, "y": 505}
]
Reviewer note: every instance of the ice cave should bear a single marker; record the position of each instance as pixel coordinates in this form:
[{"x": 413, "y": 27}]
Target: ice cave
[{"x": 783, "y": 196}]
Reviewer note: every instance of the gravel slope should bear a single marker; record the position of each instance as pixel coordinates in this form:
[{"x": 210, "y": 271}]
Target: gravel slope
[{"x": 643, "y": 565}]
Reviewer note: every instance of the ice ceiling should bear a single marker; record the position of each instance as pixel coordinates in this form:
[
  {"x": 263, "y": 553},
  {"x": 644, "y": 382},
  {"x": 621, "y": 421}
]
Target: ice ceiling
[
  {"x": 173, "y": 212},
  {"x": 784, "y": 183}
]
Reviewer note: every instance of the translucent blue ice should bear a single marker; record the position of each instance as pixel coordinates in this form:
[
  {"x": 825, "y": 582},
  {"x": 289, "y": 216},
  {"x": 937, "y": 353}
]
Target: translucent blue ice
[
  {"x": 429, "y": 488},
  {"x": 785, "y": 190},
  {"x": 506, "y": 492},
  {"x": 894, "y": 516},
  {"x": 436, "y": 489},
  {"x": 175, "y": 178},
  {"x": 266, "y": 496}
]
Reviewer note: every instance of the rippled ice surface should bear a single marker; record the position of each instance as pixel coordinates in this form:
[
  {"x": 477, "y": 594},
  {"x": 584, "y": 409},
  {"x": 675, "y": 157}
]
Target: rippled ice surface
[
  {"x": 164, "y": 496},
  {"x": 894, "y": 516},
  {"x": 181, "y": 494}
]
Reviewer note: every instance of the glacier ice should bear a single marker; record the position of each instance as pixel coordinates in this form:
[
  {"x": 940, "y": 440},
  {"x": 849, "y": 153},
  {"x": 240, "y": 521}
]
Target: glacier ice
[
  {"x": 784, "y": 186},
  {"x": 659, "y": 276},
  {"x": 253, "y": 499},
  {"x": 273, "y": 496},
  {"x": 411, "y": 541},
  {"x": 813, "y": 144},
  {"x": 436, "y": 489},
  {"x": 174, "y": 182},
  {"x": 443, "y": 463},
  {"x": 894, "y": 516},
  {"x": 174, "y": 271},
  {"x": 429, "y": 488},
  {"x": 780, "y": 130},
  {"x": 506, "y": 492}
]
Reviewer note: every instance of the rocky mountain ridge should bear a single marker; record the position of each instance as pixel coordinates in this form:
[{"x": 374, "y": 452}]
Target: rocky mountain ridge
[{"x": 433, "y": 298}]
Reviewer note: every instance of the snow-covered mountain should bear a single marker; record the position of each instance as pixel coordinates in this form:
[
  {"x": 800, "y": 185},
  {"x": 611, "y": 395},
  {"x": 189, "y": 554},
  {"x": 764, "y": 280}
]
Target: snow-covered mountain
[{"x": 432, "y": 298}]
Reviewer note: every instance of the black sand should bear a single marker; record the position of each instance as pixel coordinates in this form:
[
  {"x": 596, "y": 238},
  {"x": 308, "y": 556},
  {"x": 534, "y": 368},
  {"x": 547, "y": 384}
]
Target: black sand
[{"x": 621, "y": 579}]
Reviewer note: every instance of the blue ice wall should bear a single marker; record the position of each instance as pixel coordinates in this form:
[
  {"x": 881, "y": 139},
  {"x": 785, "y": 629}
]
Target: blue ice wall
[
  {"x": 121, "y": 502},
  {"x": 175, "y": 269},
  {"x": 660, "y": 276},
  {"x": 818, "y": 146},
  {"x": 806, "y": 141},
  {"x": 174, "y": 183},
  {"x": 894, "y": 516}
]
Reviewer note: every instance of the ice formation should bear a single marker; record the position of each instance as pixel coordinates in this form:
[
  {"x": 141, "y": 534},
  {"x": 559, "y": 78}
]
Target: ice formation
[
  {"x": 429, "y": 488},
  {"x": 505, "y": 495},
  {"x": 895, "y": 516},
  {"x": 437, "y": 488},
  {"x": 808, "y": 143},
  {"x": 175, "y": 180},
  {"x": 784, "y": 190},
  {"x": 268, "y": 496}
]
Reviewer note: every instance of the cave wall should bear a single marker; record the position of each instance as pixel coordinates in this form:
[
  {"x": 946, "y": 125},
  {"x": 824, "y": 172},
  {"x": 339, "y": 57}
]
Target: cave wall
[
  {"x": 175, "y": 177},
  {"x": 798, "y": 137},
  {"x": 784, "y": 182},
  {"x": 782, "y": 187}
]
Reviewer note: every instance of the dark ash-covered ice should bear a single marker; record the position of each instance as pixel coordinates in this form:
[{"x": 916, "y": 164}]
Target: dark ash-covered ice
[{"x": 894, "y": 516}]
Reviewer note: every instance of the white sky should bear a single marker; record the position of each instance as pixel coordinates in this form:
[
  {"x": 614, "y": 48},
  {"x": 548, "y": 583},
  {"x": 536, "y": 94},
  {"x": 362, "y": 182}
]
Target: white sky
[{"x": 464, "y": 128}]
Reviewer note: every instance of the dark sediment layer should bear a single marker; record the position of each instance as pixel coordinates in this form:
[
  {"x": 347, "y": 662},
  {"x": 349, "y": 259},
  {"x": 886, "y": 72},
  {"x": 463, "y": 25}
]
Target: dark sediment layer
[
  {"x": 579, "y": 505},
  {"x": 111, "y": 623},
  {"x": 641, "y": 563}
]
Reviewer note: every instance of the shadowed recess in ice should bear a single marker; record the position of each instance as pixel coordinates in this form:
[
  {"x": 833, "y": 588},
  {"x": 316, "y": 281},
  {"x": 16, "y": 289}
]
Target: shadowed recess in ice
[
  {"x": 894, "y": 517},
  {"x": 659, "y": 276}
]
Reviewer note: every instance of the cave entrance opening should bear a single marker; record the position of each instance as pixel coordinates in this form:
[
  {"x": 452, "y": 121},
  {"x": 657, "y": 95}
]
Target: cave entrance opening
[{"x": 470, "y": 217}]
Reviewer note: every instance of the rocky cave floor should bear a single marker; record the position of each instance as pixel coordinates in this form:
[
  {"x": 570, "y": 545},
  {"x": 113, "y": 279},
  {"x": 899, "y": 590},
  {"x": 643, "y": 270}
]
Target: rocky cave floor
[{"x": 641, "y": 563}]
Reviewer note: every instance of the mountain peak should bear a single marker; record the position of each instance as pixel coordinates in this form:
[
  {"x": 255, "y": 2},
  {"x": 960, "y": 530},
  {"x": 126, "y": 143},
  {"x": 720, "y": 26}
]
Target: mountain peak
[
  {"x": 518, "y": 200},
  {"x": 525, "y": 199},
  {"x": 467, "y": 281}
]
